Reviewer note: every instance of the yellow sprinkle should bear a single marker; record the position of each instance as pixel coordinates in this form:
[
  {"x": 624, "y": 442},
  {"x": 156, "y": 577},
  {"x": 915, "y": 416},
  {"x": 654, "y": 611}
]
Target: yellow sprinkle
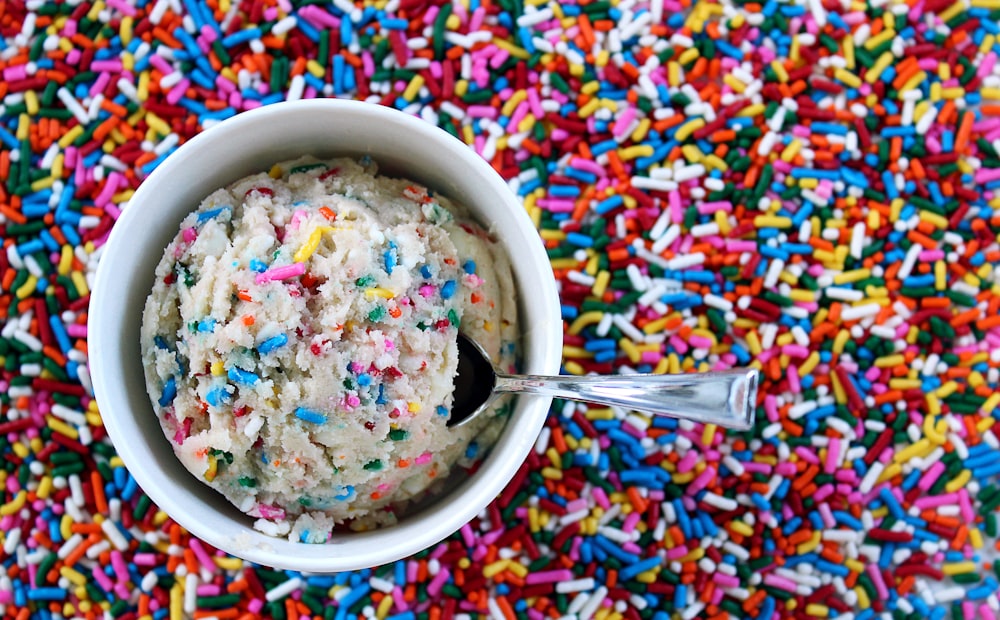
[
  {"x": 510, "y": 48},
  {"x": 918, "y": 449},
  {"x": 986, "y": 4},
  {"x": 630, "y": 350},
  {"x": 946, "y": 390},
  {"x": 692, "y": 153},
  {"x": 688, "y": 128},
  {"x": 847, "y": 43},
  {"x": 674, "y": 75},
  {"x": 976, "y": 538},
  {"x": 940, "y": 275},
  {"x": 900, "y": 383},
  {"x": 384, "y": 606},
  {"x": 888, "y": 361},
  {"x": 563, "y": 263},
  {"x": 177, "y": 601},
  {"x": 551, "y": 473},
  {"x": 838, "y": 390},
  {"x": 959, "y": 481},
  {"x": 309, "y": 247},
  {"x": 583, "y": 320},
  {"x": 213, "y": 468},
  {"x": 574, "y": 368},
  {"x": 75, "y": 577},
  {"x": 228, "y": 563},
  {"x": 521, "y": 95},
  {"x": 27, "y": 288},
  {"x": 80, "y": 283},
  {"x": 847, "y": 77},
  {"x": 413, "y": 88},
  {"x": 142, "y": 88},
  {"x": 890, "y": 472},
  {"x": 44, "y": 487},
  {"x": 991, "y": 403},
  {"x": 689, "y": 55},
  {"x": 734, "y": 82},
  {"x": 957, "y": 568},
  {"x": 377, "y": 291},
  {"x": 754, "y": 110},
  {"x": 740, "y": 527},
  {"x": 817, "y": 610},
  {"x": 577, "y": 352},
  {"x": 58, "y": 426},
  {"x": 639, "y": 133},
  {"x": 880, "y": 38},
  {"x": 915, "y": 81},
  {"x": 15, "y": 504},
  {"x": 633, "y": 152},
  {"x": 601, "y": 283},
  {"x": 880, "y": 65},
  {"x": 790, "y": 151},
  {"x": 491, "y": 570},
  {"x": 315, "y": 68},
  {"x": 772, "y": 221},
  {"x": 851, "y": 276},
  {"x": 779, "y": 70},
  {"x": 517, "y": 568}
]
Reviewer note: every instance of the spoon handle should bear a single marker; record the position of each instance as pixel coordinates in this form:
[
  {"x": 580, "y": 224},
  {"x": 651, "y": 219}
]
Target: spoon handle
[{"x": 727, "y": 398}]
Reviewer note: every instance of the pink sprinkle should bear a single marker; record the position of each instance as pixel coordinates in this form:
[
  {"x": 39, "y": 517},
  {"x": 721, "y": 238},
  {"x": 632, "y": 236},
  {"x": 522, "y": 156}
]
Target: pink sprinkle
[
  {"x": 601, "y": 498},
  {"x": 434, "y": 587},
  {"x": 423, "y": 458},
  {"x": 112, "y": 66},
  {"x": 270, "y": 512},
  {"x": 102, "y": 578},
  {"x": 177, "y": 92},
  {"x": 832, "y": 456},
  {"x": 550, "y": 576},
  {"x": 202, "y": 555},
  {"x": 281, "y": 273},
  {"x": 189, "y": 234},
  {"x": 779, "y": 582}
]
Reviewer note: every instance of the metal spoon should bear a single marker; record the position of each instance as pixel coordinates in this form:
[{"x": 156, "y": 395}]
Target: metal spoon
[{"x": 727, "y": 398}]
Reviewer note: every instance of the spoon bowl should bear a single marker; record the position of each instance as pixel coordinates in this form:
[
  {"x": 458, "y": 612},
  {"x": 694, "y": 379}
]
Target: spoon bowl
[{"x": 727, "y": 397}]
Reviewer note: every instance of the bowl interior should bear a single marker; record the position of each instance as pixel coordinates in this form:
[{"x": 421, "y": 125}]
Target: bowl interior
[{"x": 251, "y": 142}]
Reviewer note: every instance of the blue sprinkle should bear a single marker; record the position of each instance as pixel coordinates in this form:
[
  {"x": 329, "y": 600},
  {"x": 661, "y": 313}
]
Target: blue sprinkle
[
  {"x": 469, "y": 266},
  {"x": 441, "y": 410},
  {"x": 257, "y": 265},
  {"x": 169, "y": 392},
  {"x": 364, "y": 379},
  {"x": 217, "y": 396},
  {"x": 472, "y": 450},
  {"x": 206, "y": 325},
  {"x": 308, "y": 415},
  {"x": 346, "y": 492},
  {"x": 448, "y": 289},
  {"x": 389, "y": 256},
  {"x": 272, "y": 343},
  {"x": 238, "y": 375},
  {"x": 204, "y": 216},
  {"x": 425, "y": 271}
]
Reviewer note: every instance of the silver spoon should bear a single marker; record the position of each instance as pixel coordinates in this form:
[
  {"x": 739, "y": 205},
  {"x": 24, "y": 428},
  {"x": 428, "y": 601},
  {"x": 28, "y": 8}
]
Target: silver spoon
[{"x": 727, "y": 397}]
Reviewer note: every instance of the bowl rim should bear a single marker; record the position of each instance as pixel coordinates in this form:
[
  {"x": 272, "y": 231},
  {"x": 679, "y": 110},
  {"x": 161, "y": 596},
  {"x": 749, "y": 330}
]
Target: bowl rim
[{"x": 429, "y": 526}]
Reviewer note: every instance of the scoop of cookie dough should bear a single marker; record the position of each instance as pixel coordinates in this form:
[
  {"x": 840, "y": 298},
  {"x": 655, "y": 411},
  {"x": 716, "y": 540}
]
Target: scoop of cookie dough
[{"x": 300, "y": 343}]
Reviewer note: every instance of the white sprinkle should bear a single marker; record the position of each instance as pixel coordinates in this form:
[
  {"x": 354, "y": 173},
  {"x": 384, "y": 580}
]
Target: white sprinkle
[
  {"x": 575, "y": 585},
  {"x": 282, "y": 590},
  {"x": 859, "y": 312},
  {"x": 114, "y": 535}
]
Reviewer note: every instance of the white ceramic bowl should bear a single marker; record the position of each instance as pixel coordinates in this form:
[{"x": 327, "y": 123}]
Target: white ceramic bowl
[{"x": 251, "y": 142}]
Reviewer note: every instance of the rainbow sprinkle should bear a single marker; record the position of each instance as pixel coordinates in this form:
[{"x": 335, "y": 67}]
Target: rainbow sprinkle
[{"x": 810, "y": 188}]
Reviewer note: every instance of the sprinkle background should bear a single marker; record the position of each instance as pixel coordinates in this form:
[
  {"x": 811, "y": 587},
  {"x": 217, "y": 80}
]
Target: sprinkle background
[{"x": 811, "y": 188}]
